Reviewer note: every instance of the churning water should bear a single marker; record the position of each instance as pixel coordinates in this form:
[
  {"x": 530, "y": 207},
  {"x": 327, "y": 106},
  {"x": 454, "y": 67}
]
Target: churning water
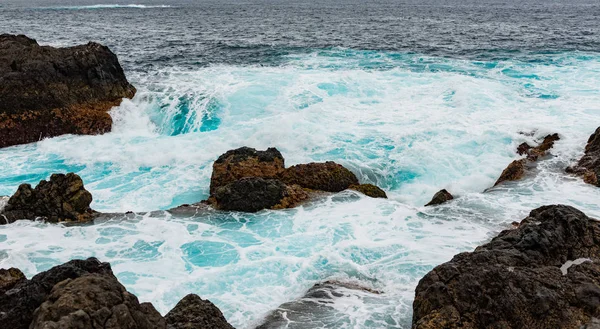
[{"x": 412, "y": 97}]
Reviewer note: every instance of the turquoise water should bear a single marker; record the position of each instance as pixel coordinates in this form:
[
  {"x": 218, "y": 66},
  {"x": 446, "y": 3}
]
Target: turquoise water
[{"x": 410, "y": 123}]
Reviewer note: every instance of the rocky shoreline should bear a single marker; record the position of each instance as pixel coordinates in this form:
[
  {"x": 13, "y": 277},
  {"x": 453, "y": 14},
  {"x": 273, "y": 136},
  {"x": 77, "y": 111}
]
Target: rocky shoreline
[{"x": 543, "y": 273}]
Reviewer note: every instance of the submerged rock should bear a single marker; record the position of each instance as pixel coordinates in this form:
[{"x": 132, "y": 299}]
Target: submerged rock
[
  {"x": 369, "y": 190},
  {"x": 543, "y": 274},
  {"x": 517, "y": 169},
  {"x": 61, "y": 199},
  {"x": 85, "y": 294},
  {"x": 588, "y": 166},
  {"x": 315, "y": 309},
  {"x": 194, "y": 312},
  {"x": 46, "y": 91},
  {"x": 440, "y": 197},
  {"x": 245, "y": 162},
  {"x": 328, "y": 176}
]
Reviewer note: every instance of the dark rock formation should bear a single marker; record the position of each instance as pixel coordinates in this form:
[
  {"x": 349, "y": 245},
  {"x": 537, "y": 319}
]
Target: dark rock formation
[
  {"x": 62, "y": 198},
  {"x": 245, "y": 162},
  {"x": 328, "y": 176},
  {"x": 250, "y": 194},
  {"x": 369, "y": 190},
  {"x": 588, "y": 166},
  {"x": 440, "y": 197},
  {"x": 10, "y": 278},
  {"x": 543, "y": 274},
  {"x": 85, "y": 294},
  {"x": 18, "y": 304},
  {"x": 517, "y": 169},
  {"x": 94, "y": 301},
  {"x": 193, "y": 312},
  {"x": 46, "y": 91},
  {"x": 314, "y": 309}
]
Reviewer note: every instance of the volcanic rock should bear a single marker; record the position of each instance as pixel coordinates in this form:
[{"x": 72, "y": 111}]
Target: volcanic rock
[
  {"x": 328, "y": 176},
  {"x": 245, "y": 162},
  {"x": 46, "y": 91},
  {"x": 194, "y": 312},
  {"x": 543, "y": 274},
  {"x": 10, "y": 278},
  {"x": 369, "y": 190},
  {"x": 588, "y": 166},
  {"x": 440, "y": 197},
  {"x": 62, "y": 198}
]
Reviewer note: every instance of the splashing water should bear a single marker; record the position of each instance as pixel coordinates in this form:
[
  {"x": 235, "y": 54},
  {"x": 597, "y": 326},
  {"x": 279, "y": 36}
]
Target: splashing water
[{"x": 411, "y": 124}]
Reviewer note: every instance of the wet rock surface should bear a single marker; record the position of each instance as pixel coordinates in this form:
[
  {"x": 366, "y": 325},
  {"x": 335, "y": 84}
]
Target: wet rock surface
[
  {"x": 85, "y": 294},
  {"x": 369, "y": 190},
  {"x": 440, "y": 197},
  {"x": 328, "y": 176},
  {"x": 250, "y": 194},
  {"x": 588, "y": 167},
  {"x": 62, "y": 198},
  {"x": 315, "y": 309},
  {"x": 517, "y": 169},
  {"x": 46, "y": 91},
  {"x": 194, "y": 312},
  {"x": 543, "y": 274}
]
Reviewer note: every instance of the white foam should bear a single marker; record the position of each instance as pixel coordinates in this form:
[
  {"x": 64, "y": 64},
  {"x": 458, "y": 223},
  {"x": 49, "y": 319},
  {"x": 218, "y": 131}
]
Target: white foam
[{"x": 565, "y": 267}]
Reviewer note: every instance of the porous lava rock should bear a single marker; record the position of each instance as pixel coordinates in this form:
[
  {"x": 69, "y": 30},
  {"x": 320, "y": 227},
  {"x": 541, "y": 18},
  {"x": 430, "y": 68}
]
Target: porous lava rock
[
  {"x": 440, "y": 197},
  {"x": 193, "y": 312},
  {"x": 327, "y": 176},
  {"x": 47, "y": 91},
  {"x": 543, "y": 274},
  {"x": 369, "y": 190},
  {"x": 588, "y": 167}
]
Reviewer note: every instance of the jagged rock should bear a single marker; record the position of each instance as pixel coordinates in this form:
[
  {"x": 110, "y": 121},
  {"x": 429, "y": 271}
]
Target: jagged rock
[
  {"x": 543, "y": 274},
  {"x": 193, "y": 312},
  {"x": 369, "y": 190},
  {"x": 245, "y": 162},
  {"x": 440, "y": 197},
  {"x": 250, "y": 194},
  {"x": 315, "y": 309},
  {"x": 94, "y": 301},
  {"x": 46, "y": 91},
  {"x": 62, "y": 198},
  {"x": 9, "y": 278},
  {"x": 517, "y": 169},
  {"x": 328, "y": 176},
  {"x": 18, "y": 304},
  {"x": 588, "y": 166}
]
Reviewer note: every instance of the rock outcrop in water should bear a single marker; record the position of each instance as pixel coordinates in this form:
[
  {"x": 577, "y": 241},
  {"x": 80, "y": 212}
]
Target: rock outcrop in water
[
  {"x": 61, "y": 199},
  {"x": 46, "y": 91},
  {"x": 439, "y": 198},
  {"x": 543, "y": 274},
  {"x": 85, "y": 294},
  {"x": 517, "y": 169},
  {"x": 588, "y": 166},
  {"x": 249, "y": 180}
]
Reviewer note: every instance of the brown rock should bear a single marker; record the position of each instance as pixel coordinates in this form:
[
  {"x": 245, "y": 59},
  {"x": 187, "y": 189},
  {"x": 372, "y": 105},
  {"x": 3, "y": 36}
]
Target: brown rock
[
  {"x": 369, "y": 190},
  {"x": 193, "y": 312},
  {"x": 62, "y": 198},
  {"x": 514, "y": 171},
  {"x": 9, "y": 278},
  {"x": 245, "y": 162},
  {"x": 46, "y": 91},
  {"x": 440, "y": 197},
  {"x": 328, "y": 176},
  {"x": 588, "y": 166}
]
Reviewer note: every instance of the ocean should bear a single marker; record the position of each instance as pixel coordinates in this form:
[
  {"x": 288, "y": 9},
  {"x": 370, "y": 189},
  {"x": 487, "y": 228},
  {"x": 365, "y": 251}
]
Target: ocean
[{"x": 413, "y": 96}]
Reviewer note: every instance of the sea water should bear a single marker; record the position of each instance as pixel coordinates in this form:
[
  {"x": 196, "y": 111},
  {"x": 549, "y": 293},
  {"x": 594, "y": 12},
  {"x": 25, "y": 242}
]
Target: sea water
[{"x": 409, "y": 117}]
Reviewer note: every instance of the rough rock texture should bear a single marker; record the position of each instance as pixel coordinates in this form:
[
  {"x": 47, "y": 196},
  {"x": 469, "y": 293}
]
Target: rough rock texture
[
  {"x": 543, "y": 274},
  {"x": 46, "y": 91},
  {"x": 315, "y": 309},
  {"x": 10, "y": 278},
  {"x": 369, "y": 190},
  {"x": 517, "y": 169},
  {"x": 328, "y": 176},
  {"x": 85, "y": 294},
  {"x": 440, "y": 197},
  {"x": 193, "y": 312},
  {"x": 245, "y": 162},
  {"x": 18, "y": 304},
  {"x": 588, "y": 166},
  {"x": 250, "y": 194},
  {"x": 62, "y": 198},
  {"x": 94, "y": 301}
]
